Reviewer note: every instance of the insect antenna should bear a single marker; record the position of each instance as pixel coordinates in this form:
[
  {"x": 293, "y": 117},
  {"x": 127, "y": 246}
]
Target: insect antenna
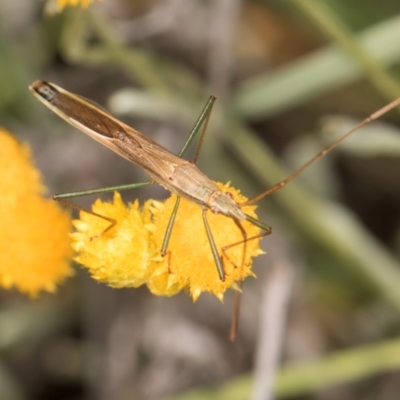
[{"x": 322, "y": 153}]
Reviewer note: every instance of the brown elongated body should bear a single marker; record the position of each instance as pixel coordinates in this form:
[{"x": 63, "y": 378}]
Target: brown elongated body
[{"x": 174, "y": 173}]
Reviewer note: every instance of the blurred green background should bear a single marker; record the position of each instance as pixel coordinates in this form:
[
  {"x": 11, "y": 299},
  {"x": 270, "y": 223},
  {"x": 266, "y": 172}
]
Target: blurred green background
[{"x": 322, "y": 319}]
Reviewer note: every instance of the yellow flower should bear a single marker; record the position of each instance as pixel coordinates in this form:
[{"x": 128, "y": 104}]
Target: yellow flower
[
  {"x": 129, "y": 253},
  {"x": 120, "y": 257},
  {"x": 73, "y": 3},
  {"x": 190, "y": 264},
  {"x": 34, "y": 244},
  {"x": 17, "y": 172}
]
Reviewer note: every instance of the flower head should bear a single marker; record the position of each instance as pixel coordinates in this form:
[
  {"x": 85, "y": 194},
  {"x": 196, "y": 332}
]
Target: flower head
[
  {"x": 190, "y": 263},
  {"x": 130, "y": 253},
  {"x": 73, "y": 3},
  {"x": 34, "y": 243},
  {"x": 120, "y": 257}
]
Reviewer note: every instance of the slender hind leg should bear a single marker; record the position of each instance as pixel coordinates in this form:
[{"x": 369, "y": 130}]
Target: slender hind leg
[{"x": 266, "y": 230}]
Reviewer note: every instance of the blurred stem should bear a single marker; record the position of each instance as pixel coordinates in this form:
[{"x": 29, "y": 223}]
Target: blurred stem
[
  {"x": 271, "y": 332},
  {"x": 138, "y": 64},
  {"x": 224, "y": 25},
  {"x": 10, "y": 389},
  {"x": 324, "y": 17},
  {"x": 27, "y": 324},
  {"x": 23, "y": 327},
  {"x": 301, "y": 378},
  {"x": 316, "y": 74},
  {"x": 13, "y": 82},
  {"x": 142, "y": 66}
]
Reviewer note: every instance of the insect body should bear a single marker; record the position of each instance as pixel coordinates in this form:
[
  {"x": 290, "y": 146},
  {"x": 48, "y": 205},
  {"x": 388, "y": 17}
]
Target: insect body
[
  {"x": 171, "y": 171},
  {"x": 179, "y": 176},
  {"x": 174, "y": 173}
]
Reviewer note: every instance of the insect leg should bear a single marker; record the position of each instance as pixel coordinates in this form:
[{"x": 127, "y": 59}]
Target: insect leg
[
  {"x": 204, "y": 117},
  {"x": 100, "y": 190},
  {"x": 267, "y": 230},
  {"x": 61, "y": 198},
  {"x": 204, "y": 130},
  {"x": 259, "y": 236},
  {"x": 170, "y": 225},
  {"x": 202, "y": 120},
  {"x": 214, "y": 250},
  {"x": 112, "y": 221}
]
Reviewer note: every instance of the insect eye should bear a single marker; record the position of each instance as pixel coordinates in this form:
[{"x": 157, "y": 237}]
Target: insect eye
[{"x": 47, "y": 92}]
